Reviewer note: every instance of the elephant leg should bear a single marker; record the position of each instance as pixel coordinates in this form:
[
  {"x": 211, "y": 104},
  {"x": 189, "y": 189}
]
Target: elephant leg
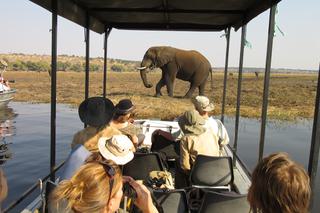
[
  {"x": 169, "y": 80},
  {"x": 202, "y": 87},
  {"x": 160, "y": 84},
  {"x": 190, "y": 91}
]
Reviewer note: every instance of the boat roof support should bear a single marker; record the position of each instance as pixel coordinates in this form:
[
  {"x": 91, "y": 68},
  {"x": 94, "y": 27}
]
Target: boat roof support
[
  {"x": 228, "y": 33},
  {"x": 87, "y": 41},
  {"x": 105, "y": 48},
  {"x": 315, "y": 143},
  {"x": 266, "y": 80},
  {"x": 235, "y": 144},
  {"x": 53, "y": 88}
]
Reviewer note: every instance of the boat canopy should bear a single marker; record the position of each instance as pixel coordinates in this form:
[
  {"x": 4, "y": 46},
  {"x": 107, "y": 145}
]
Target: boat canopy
[{"x": 186, "y": 15}]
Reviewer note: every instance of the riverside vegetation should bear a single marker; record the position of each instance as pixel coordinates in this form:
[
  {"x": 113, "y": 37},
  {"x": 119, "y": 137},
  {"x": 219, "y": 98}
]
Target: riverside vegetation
[{"x": 291, "y": 95}]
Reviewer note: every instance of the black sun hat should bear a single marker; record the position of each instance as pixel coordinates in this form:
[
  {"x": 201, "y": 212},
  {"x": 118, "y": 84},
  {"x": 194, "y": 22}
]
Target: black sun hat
[
  {"x": 96, "y": 111},
  {"x": 124, "y": 107}
]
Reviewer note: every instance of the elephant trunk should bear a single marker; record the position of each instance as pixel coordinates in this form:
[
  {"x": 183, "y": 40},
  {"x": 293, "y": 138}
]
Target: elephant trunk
[{"x": 144, "y": 78}]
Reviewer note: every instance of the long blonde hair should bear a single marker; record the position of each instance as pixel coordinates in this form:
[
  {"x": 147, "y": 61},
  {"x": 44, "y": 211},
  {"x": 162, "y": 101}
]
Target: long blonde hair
[
  {"x": 279, "y": 185},
  {"x": 89, "y": 189}
]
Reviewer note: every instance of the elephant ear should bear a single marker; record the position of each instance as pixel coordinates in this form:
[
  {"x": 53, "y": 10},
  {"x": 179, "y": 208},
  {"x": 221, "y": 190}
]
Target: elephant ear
[{"x": 164, "y": 56}]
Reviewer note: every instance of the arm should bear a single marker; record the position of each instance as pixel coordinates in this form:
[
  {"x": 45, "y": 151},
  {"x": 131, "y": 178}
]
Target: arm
[
  {"x": 225, "y": 136},
  {"x": 184, "y": 154}
]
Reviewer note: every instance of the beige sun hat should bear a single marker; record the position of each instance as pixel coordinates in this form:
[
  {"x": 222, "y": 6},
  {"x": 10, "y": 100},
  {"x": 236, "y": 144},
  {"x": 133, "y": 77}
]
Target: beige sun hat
[
  {"x": 202, "y": 104},
  {"x": 192, "y": 123},
  {"x": 117, "y": 148}
]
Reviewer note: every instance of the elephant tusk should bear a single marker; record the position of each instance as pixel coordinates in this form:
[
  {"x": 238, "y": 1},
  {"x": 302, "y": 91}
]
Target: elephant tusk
[{"x": 141, "y": 68}]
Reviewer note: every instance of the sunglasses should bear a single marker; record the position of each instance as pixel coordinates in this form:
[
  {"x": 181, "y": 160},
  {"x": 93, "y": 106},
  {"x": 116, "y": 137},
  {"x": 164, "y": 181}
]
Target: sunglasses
[{"x": 111, "y": 173}]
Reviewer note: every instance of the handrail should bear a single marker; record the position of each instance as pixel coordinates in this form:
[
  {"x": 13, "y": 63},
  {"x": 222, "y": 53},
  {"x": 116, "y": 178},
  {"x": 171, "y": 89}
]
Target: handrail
[
  {"x": 30, "y": 190},
  {"x": 242, "y": 164}
]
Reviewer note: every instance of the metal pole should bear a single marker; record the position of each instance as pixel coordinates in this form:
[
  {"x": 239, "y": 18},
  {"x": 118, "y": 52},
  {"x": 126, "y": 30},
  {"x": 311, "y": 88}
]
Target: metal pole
[
  {"x": 106, "y": 36},
  {"x": 266, "y": 80},
  {"x": 315, "y": 143},
  {"x": 225, "y": 75},
  {"x": 235, "y": 144},
  {"x": 53, "y": 88},
  {"x": 87, "y": 40}
]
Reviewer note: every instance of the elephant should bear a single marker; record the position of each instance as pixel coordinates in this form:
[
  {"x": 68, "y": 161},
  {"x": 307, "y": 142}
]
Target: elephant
[{"x": 187, "y": 65}]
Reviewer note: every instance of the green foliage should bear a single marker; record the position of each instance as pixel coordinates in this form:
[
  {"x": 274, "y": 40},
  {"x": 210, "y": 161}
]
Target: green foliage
[
  {"x": 117, "y": 68},
  {"x": 63, "y": 66},
  {"x": 94, "y": 67},
  {"x": 77, "y": 67},
  {"x": 42, "y": 63}
]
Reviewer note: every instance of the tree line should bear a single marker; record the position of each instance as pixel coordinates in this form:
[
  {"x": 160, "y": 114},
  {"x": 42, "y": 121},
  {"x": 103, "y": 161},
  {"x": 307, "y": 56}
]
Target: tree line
[{"x": 45, "y": 66}]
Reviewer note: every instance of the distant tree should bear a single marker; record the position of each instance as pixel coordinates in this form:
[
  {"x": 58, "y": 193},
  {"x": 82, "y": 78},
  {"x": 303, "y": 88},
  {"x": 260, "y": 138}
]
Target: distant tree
[
  {"x": 63, "y": 66},
  {"x": 94, "y": 67},
  {"x": 117, "y": 68},
  {"x": 77, "y": 67}
]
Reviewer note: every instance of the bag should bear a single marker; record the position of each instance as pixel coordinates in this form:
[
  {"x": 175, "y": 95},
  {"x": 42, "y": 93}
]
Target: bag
[{"x": 160, "y": 180}]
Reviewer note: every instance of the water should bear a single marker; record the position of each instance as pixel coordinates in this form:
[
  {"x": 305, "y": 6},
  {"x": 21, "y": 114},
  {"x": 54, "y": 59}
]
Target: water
[{"x": 27, "y": 133}]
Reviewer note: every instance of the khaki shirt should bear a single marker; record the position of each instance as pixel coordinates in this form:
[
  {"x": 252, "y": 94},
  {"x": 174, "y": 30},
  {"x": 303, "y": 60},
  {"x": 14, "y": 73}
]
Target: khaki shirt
[
  {"x": 193, "y": 145},
  {"x": 89, "y": 137}
]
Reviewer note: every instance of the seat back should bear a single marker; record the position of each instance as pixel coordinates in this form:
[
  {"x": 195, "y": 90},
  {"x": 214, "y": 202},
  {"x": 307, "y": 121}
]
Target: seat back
[
  {"x": 224, "y": 203},
  {"x": 142, "y": 164},
  {"x": 161, "y": 144},
  {"x": 211, "y": 171},
  {"x": 76, "y": 158},
  {"x": 174, "y": 201}
]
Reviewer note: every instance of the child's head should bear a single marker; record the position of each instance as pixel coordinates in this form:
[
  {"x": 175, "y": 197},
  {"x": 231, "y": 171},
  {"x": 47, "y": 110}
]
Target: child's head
[{"x": 279, "y": 185}]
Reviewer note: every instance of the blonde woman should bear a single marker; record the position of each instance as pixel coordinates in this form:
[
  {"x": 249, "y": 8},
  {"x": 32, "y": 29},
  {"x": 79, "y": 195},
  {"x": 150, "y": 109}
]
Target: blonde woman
[
  {"x": 97, "y": 188},
  {"x": 279, "y": 185}
]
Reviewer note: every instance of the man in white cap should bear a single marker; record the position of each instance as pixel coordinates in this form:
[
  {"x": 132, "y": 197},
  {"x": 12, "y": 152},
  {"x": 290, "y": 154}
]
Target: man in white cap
[{"x": 204, "y": 106}]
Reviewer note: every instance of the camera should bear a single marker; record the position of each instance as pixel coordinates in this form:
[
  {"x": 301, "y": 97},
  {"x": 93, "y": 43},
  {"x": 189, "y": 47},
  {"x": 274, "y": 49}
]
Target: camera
[{"x": 129, "y": 191}]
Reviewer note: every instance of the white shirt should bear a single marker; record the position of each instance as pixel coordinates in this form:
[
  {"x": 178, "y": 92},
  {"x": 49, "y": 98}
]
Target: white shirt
[{"x": 213, "y": 126}]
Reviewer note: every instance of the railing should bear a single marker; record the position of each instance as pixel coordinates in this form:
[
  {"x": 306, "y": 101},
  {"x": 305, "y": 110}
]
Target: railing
[{"x": 30, "y": 190}]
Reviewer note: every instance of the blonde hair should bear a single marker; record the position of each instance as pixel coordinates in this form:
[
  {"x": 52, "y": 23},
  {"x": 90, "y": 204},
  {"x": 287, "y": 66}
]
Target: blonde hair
[
  {"x": 90, "y": 135},
  {"x": 279, "y": 185},
  {"x": 89, "y": 189}
]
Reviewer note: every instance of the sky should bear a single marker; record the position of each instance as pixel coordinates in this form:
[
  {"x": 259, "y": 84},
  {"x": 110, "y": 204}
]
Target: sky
[{"x": 25, "y": 28}]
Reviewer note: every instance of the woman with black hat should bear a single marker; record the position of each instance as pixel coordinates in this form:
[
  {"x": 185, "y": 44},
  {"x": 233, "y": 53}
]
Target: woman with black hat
[{"x": 96, "y": 112}]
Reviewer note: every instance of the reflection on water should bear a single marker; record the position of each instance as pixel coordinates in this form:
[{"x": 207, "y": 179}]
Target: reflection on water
[{"x": 7, "y": 129}]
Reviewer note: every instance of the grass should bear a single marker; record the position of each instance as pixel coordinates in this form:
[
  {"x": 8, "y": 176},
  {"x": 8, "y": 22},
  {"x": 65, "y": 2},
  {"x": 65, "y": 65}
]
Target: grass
[{"x": 291, "y": 96}]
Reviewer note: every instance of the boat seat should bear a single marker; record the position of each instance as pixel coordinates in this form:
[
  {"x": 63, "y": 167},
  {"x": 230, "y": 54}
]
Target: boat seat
[
  {"x": 142, "y": 164},
  {"x": 174, "y": 201},
  {"x": 76, "y": 158},
  {"x": 210, "y": 172},
  {"x": 224, "y": 203},
  {"x": 171, "y": 149}
]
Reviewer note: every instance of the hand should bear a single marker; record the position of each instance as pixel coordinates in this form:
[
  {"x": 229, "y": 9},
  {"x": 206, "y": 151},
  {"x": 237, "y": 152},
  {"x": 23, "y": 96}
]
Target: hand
[{"x": 144, "y": 200}]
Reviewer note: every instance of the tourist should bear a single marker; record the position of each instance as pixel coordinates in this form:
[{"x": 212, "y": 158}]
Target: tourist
[
  {"x": 118, "y": 148},
  {"x": 279, "y": 185},
  {"x": 196, "y": 139},
  {"x": 203, "y": 106},
  {"x": 96, "y": 112},
  {"x": 97, "y": 188},
  {"x": 123, "y": 121}
]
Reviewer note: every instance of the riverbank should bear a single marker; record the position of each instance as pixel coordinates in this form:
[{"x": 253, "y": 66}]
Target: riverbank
[{"x": 291, "y": 96}]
